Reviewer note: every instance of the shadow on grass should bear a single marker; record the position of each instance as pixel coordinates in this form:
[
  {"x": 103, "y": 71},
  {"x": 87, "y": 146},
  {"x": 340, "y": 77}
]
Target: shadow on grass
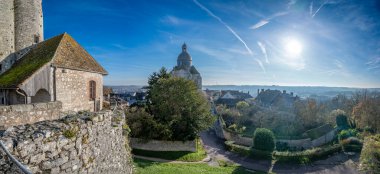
[
  {"x": 186, "y": 156},
  {"x": 141, "y": 163}
]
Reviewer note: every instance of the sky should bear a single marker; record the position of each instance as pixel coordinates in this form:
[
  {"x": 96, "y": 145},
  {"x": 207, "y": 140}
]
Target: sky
[{"x": 236, "y": 42}]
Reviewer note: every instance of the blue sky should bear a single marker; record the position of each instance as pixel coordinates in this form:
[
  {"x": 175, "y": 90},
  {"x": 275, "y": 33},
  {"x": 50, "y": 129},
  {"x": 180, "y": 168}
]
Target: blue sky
[{"x": 238, "y": 42}]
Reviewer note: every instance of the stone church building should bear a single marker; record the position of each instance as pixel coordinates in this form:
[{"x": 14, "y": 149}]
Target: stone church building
[
  {"x": 37, "y": 71},
  {"x": 185, "y": 69}
]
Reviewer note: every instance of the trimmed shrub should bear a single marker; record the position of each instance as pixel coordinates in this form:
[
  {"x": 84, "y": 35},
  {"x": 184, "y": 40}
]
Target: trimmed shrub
[
  {"x": 263, "y": 139},
  {"x": 261, "y": 154},
  {"x": 282, "y": 146},
  {"x": 341, "y": 122},
  {"x": 242, "y": 150},
  {"x": 306, "y": 156}
]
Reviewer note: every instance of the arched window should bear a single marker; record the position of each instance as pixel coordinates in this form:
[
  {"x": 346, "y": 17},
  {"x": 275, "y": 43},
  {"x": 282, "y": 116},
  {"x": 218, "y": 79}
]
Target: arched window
[{"x": 92, "y": 90}]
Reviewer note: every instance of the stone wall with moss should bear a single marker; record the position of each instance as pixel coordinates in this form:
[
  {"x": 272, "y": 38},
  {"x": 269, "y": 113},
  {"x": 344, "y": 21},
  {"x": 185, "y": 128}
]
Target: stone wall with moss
[{"x": 80, "y": 143}]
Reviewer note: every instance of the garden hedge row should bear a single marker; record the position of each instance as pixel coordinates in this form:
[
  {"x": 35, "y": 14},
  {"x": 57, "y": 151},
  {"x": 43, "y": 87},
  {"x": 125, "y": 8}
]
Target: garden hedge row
[{"x": 301, "y": 157}]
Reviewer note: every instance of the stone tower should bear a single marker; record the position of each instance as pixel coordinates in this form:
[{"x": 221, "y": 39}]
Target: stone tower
[{"x": 21, "y": 26}]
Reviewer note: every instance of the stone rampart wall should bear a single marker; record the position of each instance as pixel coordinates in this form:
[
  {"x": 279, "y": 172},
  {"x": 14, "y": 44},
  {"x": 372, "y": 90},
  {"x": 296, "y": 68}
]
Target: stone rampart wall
[
  {"x": 82, "y": 143},
  {"x": 156, "y": 145},
  {"x": 29, "y": 113}
]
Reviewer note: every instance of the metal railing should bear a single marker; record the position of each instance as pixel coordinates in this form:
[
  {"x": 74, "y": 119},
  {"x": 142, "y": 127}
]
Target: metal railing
[{"x": 14, "y": 160}]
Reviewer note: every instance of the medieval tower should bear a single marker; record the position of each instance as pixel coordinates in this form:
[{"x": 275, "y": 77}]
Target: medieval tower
[{"x": 21, "y": 26}]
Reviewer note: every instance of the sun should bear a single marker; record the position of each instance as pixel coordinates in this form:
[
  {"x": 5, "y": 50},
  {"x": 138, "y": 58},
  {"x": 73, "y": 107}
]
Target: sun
[{"x": 293, "y": 47}]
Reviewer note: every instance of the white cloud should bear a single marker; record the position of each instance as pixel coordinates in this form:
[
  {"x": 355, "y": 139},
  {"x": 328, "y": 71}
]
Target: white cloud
[{"x": 373, "y": 63}]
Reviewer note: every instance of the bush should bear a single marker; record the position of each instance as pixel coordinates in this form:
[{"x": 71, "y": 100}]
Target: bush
[
  {"x": 370, "y": 155},
  {"x": 306, "y": 156},
  {"x": 341, "y": 122},
  {"x": 260, "y": 154},
  {"x": 263, "y": 139},
  {"x": 282, "y": 146},
  {"x": 242, "y": 150},
  {"x": 344, "y": 134}
]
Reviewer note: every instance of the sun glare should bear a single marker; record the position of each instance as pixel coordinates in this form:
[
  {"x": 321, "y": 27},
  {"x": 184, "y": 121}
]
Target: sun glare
[{"x": 293, "y": 47}]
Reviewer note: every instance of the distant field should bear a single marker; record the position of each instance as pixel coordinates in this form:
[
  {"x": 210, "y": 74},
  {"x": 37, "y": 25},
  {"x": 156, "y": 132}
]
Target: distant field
[{"x": 149, "y": 167}]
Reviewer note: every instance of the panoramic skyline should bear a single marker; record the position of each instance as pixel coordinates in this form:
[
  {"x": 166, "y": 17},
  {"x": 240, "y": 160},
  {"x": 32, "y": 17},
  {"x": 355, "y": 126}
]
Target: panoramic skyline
[{"x": 292, "y": 43}]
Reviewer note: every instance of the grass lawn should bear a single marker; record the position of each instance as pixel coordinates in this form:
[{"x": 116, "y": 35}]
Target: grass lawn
[
  {"x": 149, "y": 167},
  {"x": 174, "y": 155}
]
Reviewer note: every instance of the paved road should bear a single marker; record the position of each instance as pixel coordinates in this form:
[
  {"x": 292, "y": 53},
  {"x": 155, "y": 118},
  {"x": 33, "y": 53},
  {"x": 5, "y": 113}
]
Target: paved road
[{"x": 339, "y": 163}]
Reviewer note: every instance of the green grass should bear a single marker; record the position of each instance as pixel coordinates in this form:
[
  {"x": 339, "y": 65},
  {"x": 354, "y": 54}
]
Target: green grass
[
  {"x": 174, "y": 155},
  {"x": 149, "y": 167}
]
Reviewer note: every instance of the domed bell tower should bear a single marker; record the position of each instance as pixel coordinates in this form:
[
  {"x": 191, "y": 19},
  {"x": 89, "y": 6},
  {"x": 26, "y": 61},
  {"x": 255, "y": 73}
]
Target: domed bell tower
[{"x": 184, "y": 59}]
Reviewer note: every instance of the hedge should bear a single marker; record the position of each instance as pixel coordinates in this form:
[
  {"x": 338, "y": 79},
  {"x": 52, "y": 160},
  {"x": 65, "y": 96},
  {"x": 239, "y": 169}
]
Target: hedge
[
  {"x": 300, "y": 157},
  {"x": 247, "y": 151},
  {"x": 307, "y": 156},
  {"x": 241, "y": 150}
]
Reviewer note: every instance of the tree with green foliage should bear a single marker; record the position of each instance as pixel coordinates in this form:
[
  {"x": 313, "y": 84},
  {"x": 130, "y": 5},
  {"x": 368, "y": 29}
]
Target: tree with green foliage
[
  {"x": 241, "y": 105},
  {"x": 143, "y": 125},
  {"x": 263, "y": 139},
  {"x": 153, "y": 79},
  {"x": 177, "y": 104}
]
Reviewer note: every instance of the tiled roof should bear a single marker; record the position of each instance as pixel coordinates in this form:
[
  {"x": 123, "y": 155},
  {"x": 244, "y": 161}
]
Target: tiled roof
[
  {"x": 72, "y": 56},
  {"x": 62, "y": 51}
]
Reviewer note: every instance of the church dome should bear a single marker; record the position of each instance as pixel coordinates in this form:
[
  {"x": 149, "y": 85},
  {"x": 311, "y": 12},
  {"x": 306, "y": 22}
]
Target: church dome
[{"x": 184, "y": 55}]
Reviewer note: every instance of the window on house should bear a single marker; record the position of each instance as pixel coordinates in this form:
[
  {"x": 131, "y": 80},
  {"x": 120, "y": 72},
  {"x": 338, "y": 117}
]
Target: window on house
[
  {"x": 1, "y": 67},
  {"x": 92, "y": 90}
]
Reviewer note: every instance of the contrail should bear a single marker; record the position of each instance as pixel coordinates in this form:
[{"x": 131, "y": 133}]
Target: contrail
[
  {"x": 324, "y": 3},
  {"x": 267, "y": 20},
  {"x": 231, "y": 30},
  {"x": 311, "y": 8},
  {"x": 264, "y": 50}
]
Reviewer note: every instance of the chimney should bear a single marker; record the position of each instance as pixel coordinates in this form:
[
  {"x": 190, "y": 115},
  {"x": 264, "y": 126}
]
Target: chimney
[
  {"x": 291, "y": 93},
  {"x": 284, "y": 91}
]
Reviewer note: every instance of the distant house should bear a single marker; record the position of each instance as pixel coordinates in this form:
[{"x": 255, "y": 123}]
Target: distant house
[
  {"x": 57, "y": 69},
  {"x": 231, "y": 97},
  {"x": 269, "y": 98},
  {"x": 107, "y": 92}
]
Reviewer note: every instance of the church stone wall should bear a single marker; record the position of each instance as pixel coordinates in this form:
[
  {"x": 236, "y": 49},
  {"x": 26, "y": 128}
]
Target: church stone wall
[
  {"x": 72, "y": 89},
  {"x": 83, "y": 143}
]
